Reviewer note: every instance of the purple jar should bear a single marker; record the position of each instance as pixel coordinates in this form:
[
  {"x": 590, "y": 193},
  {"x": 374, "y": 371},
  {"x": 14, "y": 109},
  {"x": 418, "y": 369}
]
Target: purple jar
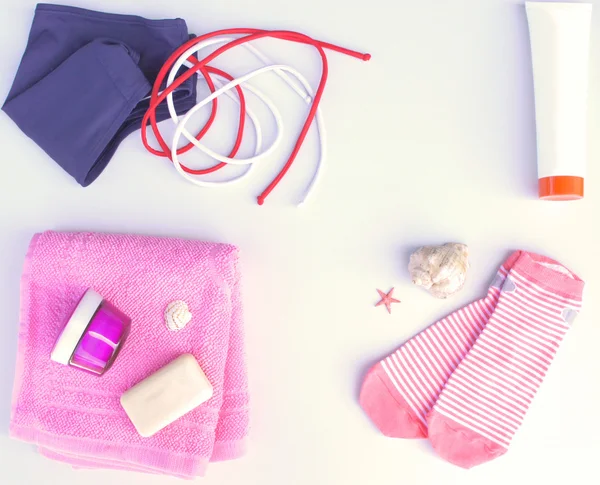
[{"x": 93, "y": 336}]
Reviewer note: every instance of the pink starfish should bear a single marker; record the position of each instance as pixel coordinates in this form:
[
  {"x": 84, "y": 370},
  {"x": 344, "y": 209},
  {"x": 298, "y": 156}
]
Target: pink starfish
[{"x": 387, "y": 300}]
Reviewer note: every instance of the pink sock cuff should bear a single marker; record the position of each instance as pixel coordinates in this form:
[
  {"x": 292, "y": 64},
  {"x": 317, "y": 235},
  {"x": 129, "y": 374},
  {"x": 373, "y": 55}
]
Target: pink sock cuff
[
  {"x": 511, "y": 260},
  {"x": 549, "y": 274}
]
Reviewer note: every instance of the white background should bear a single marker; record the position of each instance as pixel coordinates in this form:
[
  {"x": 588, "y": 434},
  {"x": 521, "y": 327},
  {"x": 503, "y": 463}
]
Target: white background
[{"x": 432, "y": 141}]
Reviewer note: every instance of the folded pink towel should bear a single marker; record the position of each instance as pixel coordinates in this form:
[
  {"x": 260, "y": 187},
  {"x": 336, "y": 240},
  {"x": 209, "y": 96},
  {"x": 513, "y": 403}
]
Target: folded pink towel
[{"x": 76, "y": 417}]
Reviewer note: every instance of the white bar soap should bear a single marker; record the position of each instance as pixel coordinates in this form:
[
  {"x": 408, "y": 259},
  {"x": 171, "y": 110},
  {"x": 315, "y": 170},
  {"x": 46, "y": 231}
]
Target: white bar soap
[{"x": 166, "y": 395}]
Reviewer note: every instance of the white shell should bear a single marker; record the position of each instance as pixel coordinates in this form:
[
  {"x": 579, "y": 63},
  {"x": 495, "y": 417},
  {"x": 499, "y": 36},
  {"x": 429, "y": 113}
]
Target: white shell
[
  {"x": 440, "y": 269},
  {"x": 177, "y": 315}
]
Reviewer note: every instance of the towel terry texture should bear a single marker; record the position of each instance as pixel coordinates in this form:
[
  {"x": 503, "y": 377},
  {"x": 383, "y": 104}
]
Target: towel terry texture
[{"x": 76, "y": 417}]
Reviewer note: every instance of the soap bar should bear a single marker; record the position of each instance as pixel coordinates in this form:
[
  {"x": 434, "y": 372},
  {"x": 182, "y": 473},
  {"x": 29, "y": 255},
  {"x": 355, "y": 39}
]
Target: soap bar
[{"x": 166, "y": 395}]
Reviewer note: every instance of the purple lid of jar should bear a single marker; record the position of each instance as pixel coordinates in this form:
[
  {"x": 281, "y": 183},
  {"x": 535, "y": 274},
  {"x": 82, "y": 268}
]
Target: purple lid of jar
[{"x": 102, "y": 339}]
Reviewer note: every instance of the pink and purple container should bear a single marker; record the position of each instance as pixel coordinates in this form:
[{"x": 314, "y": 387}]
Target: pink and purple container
[{"x": 93, "y": 335}]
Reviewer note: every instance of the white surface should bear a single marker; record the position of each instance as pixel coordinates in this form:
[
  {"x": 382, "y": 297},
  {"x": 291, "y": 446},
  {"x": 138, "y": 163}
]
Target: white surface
[
  {"x": 432, "y": 141},
  {"x": 560, "y": 50}
]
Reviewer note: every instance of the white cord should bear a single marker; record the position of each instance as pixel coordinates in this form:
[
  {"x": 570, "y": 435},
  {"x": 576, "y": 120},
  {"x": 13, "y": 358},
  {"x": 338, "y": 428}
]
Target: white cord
[
  {"x": 304, "y": 91},
  {"x": 257, "y": 143}
]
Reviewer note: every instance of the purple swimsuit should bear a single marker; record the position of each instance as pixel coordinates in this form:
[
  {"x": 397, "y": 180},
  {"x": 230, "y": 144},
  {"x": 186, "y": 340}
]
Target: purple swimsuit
[{"x": 83, "y": 83}]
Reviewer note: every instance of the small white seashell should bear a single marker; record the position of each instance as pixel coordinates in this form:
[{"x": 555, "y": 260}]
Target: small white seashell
[
  {"x": 440, "y": 269},
  {"x": 177, "y": 315}
]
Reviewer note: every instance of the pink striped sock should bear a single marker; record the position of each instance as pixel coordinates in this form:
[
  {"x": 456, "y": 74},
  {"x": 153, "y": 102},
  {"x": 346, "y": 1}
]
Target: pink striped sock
[
  {"x": 485, "y": 400},
  {"x": 400, "y": 390}
]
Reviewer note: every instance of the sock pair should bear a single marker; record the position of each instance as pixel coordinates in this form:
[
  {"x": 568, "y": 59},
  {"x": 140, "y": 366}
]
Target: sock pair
[{"x": 467, "y": 381}]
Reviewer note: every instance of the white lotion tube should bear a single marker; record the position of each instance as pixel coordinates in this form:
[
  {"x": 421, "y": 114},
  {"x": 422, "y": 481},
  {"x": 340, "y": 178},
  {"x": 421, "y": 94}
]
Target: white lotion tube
[{"x": 560, "y": 45}]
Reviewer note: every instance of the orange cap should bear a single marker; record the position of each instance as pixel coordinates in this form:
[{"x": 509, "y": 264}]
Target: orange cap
[{"x": 564, "y": 187}]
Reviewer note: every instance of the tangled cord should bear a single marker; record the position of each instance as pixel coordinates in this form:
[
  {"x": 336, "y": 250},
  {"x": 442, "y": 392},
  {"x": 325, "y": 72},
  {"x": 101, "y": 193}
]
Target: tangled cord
[
  {"x": 184, "y": 55},
  {"x": 257, "y": 155},
  {"x": 181, "y": 125}
]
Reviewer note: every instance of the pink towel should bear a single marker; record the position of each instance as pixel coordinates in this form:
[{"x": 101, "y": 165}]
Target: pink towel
[{"x": 76, "y": 417}]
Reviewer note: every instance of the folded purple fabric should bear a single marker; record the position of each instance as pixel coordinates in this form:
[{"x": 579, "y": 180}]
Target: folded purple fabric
[{"x": 83, "y": 83}]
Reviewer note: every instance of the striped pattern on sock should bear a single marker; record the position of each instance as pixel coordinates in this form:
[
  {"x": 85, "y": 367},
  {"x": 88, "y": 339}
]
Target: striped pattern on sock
[
  {"x": 419, "y": 369},
  {"x": 494, "y": 385}
]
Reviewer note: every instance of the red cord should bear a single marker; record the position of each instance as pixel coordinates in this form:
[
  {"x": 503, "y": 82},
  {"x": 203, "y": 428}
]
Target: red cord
[
  {"x": 204, "y": 130},
  {"x": 204, "y": 69}
]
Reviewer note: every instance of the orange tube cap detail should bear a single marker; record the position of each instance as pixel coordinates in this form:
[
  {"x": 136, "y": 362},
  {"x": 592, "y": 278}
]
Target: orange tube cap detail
[{"x": 561, "y": 188}]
